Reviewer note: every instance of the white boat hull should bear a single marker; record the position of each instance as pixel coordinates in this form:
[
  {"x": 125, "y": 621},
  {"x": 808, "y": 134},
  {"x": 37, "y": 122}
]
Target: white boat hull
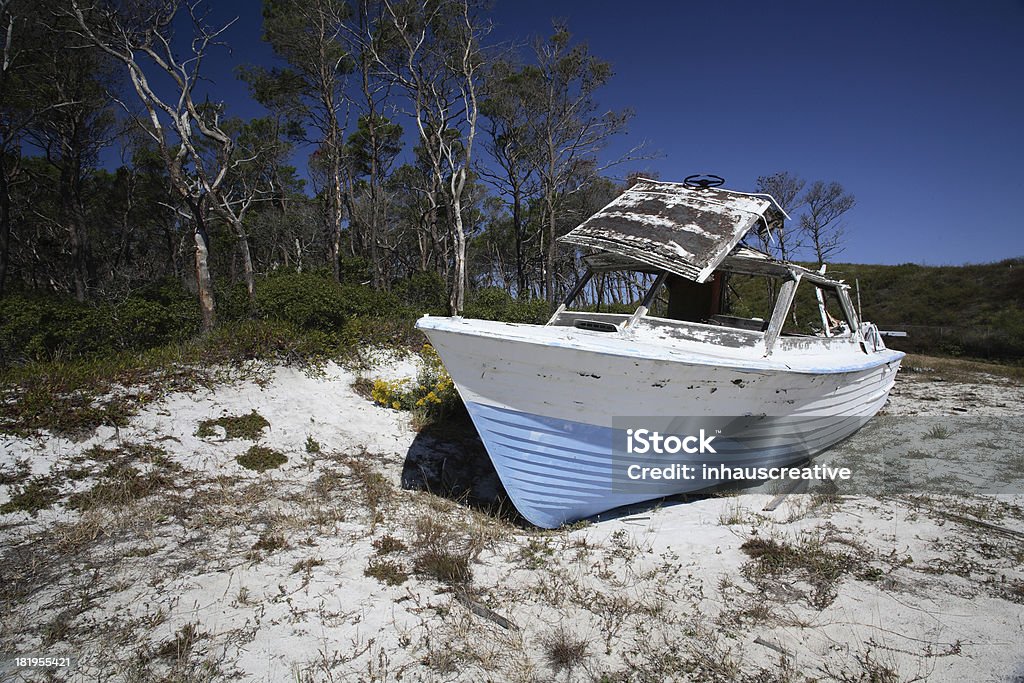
[{"x": 547, "y": 401}]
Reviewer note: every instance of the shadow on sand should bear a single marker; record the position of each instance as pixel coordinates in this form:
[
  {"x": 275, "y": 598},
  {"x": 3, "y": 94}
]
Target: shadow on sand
[{"x": 448, "y": 459}]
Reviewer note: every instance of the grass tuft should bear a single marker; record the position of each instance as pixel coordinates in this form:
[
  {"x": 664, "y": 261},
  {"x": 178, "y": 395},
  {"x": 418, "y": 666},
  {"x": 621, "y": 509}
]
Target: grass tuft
[
  {"x": 388, "y": 544},
  {"x": 564, "y": 650},
  {"x": 269, "y": 541},
  {"x": 386, "y": 571},
  {"x": 249, "y": 427},
  {"x": 261, "y": 459},
  {"x": 441, "y": 553},
  {"x": 808, "y": 559}
]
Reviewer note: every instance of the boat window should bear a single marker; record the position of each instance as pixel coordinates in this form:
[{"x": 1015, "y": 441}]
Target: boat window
[
  {"x": 806, "y": 317},
  {"x": 725, "y": 300}
]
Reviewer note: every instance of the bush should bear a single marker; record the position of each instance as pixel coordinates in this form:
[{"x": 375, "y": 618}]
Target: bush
[
  {"x": 233, "y": 302},
  {"x": 41, "y": 326},
  {"x": 494, "y": 303},
  {"x": 363, "y": 300},
  {"x": 432, "y": 397},
  {"x": 306, "y": 301},
  {"x": 313, "y": 301},
  {"x": 424, "y": 292}
]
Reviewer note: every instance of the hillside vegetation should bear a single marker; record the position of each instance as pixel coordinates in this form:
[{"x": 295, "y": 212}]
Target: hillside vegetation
[{"x": 972, "y": 310}]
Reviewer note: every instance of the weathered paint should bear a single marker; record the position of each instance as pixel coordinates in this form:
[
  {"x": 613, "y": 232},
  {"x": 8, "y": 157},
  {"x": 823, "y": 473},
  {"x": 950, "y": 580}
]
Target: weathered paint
[{"x": 672, "y": 227}]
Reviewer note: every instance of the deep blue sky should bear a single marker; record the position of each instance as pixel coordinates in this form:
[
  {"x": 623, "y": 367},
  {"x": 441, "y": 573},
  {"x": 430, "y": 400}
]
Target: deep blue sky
[{"x": 915, "y": 107}]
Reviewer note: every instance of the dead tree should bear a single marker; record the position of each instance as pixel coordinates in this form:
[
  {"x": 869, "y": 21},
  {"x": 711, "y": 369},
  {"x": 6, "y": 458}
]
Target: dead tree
[
  {"x": 822, "y": 220},
  {"x": 140, "y": 38}
]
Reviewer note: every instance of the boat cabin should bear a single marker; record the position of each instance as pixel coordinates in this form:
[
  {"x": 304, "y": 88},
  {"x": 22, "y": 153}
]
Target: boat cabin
[{"x": 689, "y": 240}]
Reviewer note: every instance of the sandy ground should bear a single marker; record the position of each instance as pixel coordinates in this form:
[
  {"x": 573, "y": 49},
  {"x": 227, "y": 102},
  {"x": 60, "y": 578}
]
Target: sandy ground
[{"x": 192, "y": 567}]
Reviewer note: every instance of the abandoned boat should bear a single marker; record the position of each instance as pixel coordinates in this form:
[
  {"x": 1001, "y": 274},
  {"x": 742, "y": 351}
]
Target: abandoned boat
[{"x": 554, "y": 403}]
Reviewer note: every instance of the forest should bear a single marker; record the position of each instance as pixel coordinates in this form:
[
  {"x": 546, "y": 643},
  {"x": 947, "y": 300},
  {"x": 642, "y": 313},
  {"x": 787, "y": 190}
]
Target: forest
[{"x": 404, "y": 162}]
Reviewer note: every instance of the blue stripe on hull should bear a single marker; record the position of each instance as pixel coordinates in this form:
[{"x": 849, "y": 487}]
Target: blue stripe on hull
[{"x": 557, "y": 471}]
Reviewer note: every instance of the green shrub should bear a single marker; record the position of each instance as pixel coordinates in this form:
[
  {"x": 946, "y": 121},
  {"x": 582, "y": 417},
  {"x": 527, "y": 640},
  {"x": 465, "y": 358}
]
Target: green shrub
[
  {"x": 363, "y": 300},
  {"x": 44, "y": 326},
  {"x": 494, "y": 303},
  {"x": 314, "y": 301},
  {"x": 232, "y": 302},
  {"x": 307, "y": 301},
  {"x": 423, "y": 292}
]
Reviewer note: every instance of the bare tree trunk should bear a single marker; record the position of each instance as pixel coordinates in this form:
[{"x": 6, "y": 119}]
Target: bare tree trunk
[
  {"x": 549, "y": 259},
  {"x": 250, "y": 280},
  {"x": 72, "y": 222},
  {"x": 458, "y": 298},
  {"x": 204, "y": 283}
]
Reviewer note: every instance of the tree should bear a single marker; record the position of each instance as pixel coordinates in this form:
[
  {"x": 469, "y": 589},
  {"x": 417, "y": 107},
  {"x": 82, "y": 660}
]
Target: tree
[
  {"x": 309, "y": 37},
  {"x": 572, "y": 131},
  {"x": 24, "y": 38},
  {"x": 432, "y": 52},
  {"x": 370, "y": 152},
  {"x": 785, "y": 188},
  {"x": 822, "y": 222},
  {"x": 76, "y": 78},
  {"x": 513, "y": 111},
  {"x": 183, "y": 131}
]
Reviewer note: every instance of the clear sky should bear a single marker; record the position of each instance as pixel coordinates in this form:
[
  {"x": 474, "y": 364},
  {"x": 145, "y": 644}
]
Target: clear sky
[{"x": 915, "y": 107}]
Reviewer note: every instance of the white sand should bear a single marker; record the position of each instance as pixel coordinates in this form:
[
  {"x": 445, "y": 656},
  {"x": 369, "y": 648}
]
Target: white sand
[{"x": 650, "y": 596}]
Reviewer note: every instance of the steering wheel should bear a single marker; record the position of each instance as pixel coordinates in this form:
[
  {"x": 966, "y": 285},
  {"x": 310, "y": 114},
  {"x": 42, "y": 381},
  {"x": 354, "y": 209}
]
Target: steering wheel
[{"x": 702, "y": 181}]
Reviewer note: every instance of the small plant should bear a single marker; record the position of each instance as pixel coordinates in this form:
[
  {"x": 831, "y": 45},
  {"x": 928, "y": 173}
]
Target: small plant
[
  {"x": 536, "y": 554},
  {"x": 15, "y": 473},
  {"x": 181, "y": 644},
  {"x": 938, "y": 432},
  {"x": 441, "y": 553},
  {"x": 307, "y": 564},
  {"x": 312, "y": 445},
  {"x": 385, "y": 545},
  {"x": 386, "y": 571},
  {"x": 38, "y": 494},
  {"x": 271, "y": 541},
  {"x": 261, "y": 459},
  {"x": 121, "y": 484},
  {"x": 249, "y": 427},
  {"x": 564, "y": 650},
  {"x": 808, "y": 559},
  {"x": 431, "y": 397},
  {"x": 375, "y": 488}
]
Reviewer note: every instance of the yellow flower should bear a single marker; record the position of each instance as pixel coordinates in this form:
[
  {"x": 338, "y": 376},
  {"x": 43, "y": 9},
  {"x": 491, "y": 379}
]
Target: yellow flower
[{"x": 396, "y": 405}]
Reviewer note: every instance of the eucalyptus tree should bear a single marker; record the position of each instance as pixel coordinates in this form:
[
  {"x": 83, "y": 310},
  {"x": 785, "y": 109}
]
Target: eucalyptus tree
[
  {"x": 785, "y": 188},
  {"x": 513, "y": 110},
  {"x": 140, "y": 38},
  {"x": 76, "y": 78},
  {"x": 377, "y": 140},
  {"x": 310, "y": 37},
  {"x": 822, "y": 220},
  {"x": 24, "y": 38},
  {"x": 572, "y": 131},
  {"x": 370, "y": 152},
  {"x": 431, "y": 50}
]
